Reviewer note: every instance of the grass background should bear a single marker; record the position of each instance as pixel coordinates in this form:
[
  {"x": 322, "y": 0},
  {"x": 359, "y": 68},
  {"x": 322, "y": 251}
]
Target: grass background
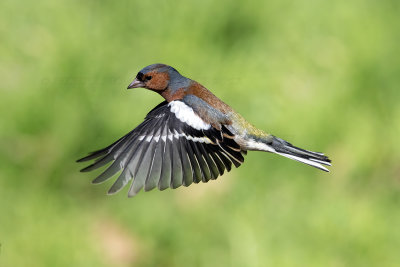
[{"x": 323, "y": 75}]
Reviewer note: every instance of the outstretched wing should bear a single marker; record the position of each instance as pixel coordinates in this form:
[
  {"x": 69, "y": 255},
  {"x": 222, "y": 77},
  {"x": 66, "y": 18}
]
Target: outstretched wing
[{"x": 172, "y": 147}]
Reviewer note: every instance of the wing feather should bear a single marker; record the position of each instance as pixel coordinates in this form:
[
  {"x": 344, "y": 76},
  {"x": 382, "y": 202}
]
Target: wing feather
[
  {"x": 165, "y": 151},
  {"x": 186, "y": 163},
  {"x": 165, "y": 178},
  {"x": 196, "y": 171}
]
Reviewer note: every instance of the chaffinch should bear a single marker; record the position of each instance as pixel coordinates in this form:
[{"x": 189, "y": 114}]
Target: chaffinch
[{"x": 190, "y": 137}]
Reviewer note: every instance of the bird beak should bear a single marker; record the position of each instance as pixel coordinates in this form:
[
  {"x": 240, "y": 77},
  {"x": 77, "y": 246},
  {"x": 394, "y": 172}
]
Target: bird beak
[{"x": 136, "y": 84}]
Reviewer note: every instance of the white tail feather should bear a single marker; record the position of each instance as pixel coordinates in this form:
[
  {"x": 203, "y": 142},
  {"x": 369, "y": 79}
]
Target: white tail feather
[
  {"x": 306, "y": 161},
  {"x": 322, "y": 162}
]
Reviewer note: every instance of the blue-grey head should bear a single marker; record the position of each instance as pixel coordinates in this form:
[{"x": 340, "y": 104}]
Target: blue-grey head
[{"x": 155, "y": 77}]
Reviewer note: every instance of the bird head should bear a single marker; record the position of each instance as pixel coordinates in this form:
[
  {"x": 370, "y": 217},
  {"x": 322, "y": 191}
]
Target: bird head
[{"x": 154, "y": 77}]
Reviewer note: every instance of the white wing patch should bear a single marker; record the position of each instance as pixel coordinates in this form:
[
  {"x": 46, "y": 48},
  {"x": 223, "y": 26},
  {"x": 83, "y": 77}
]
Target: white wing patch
[{"x": 186, "y": 114}]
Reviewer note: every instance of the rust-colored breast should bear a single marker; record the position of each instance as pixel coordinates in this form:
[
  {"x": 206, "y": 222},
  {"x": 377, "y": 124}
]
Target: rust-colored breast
[{"x": 169, "y": 96}]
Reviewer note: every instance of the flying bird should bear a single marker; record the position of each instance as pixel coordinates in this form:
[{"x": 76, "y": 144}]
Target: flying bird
[{"x": 191, "y": 137}]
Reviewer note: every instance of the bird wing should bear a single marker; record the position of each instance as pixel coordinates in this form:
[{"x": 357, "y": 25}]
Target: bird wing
[{"x": 172, "y": 147}]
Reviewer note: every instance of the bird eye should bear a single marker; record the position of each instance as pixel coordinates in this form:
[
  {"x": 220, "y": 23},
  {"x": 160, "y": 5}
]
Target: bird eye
[{"x": 148, "y": 78}]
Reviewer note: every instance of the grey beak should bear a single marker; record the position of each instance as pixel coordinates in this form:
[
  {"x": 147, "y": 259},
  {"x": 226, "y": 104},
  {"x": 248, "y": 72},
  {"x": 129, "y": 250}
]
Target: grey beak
[{"x": 135, "y": 84}]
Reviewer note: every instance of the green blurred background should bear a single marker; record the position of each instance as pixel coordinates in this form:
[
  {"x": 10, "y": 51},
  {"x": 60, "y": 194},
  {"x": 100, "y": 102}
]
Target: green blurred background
[{"x": 323, "y": 75}]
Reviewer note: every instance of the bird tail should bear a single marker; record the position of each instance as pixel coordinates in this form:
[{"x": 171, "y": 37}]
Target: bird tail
[{"x": 281, "y": 147}]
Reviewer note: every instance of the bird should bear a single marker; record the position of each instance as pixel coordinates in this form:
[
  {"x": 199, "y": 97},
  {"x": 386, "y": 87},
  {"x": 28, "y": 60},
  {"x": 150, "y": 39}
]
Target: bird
[{"x": 191, "y": 137}]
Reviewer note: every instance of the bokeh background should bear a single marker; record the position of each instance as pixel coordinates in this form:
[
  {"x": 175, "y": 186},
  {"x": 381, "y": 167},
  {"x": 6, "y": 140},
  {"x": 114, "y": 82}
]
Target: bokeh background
[{"x": 324, "y": 75}]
